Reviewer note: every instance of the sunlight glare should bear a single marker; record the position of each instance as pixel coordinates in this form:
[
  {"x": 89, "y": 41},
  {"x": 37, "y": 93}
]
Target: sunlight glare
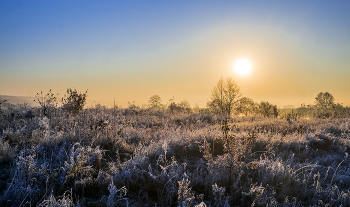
[{"x": 242, "y": 66}]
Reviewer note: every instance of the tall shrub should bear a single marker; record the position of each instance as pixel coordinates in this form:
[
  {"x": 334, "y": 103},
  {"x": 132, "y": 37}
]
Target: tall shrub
[{"x": 73, "y": 102}]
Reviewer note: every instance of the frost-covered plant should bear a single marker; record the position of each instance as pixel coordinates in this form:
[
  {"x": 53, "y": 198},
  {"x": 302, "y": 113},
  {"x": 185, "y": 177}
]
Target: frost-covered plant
[
  {"x": 81, "y": 160},
  {"x": 114, "y": 198},
  {"x": 234, "y": 149},
  {"x": 77, "y": 163},
  {"x": 44, "y": 123},
  {"x": 219, "y": 196},
  {"x": 254, "y": 196},
  {"x": 185, "y": 196},
  {"x": 26, "y": 165},
  {"x": 43, "y": 135},
  {"x": 202, "y": 204},
  {"x": 13, "y": 136},
  {"x": 64, "y": 201},
  {"x": 165, "y": 147},
  {"x": 22, "y": 186},
  {"x": 7, "y": 153},
  {"x": 322, "y": 194}
]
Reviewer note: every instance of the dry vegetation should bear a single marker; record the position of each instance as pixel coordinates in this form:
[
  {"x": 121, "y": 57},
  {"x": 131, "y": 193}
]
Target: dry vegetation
[{"x": 156, "y": 157}]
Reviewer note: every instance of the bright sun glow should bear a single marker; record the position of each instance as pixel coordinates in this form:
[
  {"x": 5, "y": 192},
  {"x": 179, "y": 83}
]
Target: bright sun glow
[{"x": 242, "y": 66}]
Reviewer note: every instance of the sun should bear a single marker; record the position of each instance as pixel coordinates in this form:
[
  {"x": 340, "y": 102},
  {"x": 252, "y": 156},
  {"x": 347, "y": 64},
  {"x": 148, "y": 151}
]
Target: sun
[{"x": 242, "y": 66}]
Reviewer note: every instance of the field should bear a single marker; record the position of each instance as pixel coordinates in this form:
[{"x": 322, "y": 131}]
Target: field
[{"x": 145, "y": 157}]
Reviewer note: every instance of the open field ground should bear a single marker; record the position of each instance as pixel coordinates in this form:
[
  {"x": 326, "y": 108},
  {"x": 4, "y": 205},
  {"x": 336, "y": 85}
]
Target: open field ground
[{"x": 143, "y": 157}]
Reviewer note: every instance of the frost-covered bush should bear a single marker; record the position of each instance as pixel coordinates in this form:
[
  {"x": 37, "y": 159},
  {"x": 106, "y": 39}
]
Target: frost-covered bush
[
  {"x": 166, "y": 159},
  {"x": 73, "y": 102},
  {"x": 22, "y": 187},
  {"x": 82, "y": 161},
  {"x": 116, "y": 195},
  {"x": 185, "y": 196},
  {"x": 64, "y": 201},
  {"x": 7, "y": 153}
]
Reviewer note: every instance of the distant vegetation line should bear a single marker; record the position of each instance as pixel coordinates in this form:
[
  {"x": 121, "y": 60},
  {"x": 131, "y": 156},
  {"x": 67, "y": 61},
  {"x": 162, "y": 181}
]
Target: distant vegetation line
[{"x": 226, "y": 99}]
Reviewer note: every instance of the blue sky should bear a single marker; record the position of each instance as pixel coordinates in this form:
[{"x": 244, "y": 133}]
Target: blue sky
[{"x": 134, "y": 49}]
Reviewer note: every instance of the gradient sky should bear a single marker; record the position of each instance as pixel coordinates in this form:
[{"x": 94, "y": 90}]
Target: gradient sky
[{"x": 132, "y": 50}]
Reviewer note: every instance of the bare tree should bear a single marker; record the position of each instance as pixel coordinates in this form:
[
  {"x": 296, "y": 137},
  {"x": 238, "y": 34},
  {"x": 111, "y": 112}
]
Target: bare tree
[
  {"x": 155, "y": 102},
  {"x": 225, "y": 96}
]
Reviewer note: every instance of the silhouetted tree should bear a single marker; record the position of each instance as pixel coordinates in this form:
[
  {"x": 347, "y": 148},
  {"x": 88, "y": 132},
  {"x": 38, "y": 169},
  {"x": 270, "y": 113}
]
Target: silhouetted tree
[
  {"x": 265, "y": 108},
  {"x": 324, "y": 100},
  {"x": 225, "y": 96},
  {"x": 184, "y": 104},
  {"x": 73, "y": 102},
  {"x": 246, "y": 105},
  {"x": 155, "y": 102},
  {"x": 275, "y": 111}
]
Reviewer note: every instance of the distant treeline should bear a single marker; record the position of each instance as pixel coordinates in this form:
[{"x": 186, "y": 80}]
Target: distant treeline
[
  {"x": 226, "y": 99},
  {"x": 17, "y": 100},
  {"x": 337, "y": 111}
]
